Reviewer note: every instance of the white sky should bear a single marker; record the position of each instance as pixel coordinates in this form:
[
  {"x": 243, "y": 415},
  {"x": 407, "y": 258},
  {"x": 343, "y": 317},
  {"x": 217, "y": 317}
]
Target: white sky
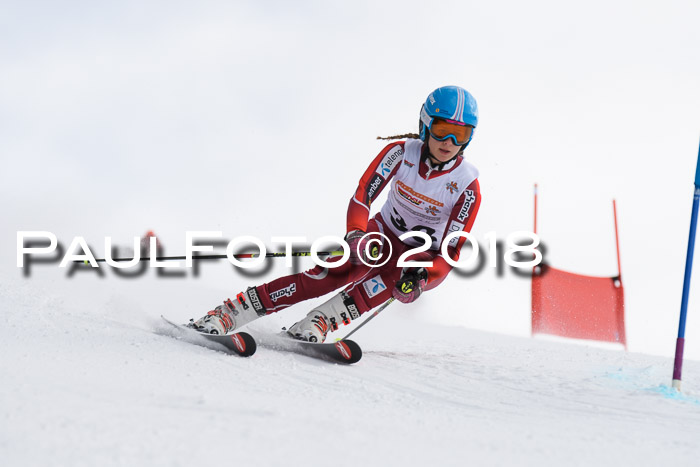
[{"x": 257, "y": 118}]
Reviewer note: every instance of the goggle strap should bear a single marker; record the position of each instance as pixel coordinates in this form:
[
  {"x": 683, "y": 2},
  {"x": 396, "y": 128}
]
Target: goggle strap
[{"x": 425, "y": 118}]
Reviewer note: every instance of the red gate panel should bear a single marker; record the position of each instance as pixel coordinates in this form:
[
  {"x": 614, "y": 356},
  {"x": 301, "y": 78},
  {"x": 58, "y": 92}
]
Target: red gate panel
[{"x": 582, "y": 307}]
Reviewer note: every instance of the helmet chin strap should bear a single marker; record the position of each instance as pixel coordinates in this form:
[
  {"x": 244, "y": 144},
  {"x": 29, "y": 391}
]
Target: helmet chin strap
[{"x": 434, "y": 161}]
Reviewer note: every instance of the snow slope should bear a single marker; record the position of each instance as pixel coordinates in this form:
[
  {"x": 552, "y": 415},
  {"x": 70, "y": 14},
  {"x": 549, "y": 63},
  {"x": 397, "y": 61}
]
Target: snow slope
[{"x": 91, "y": 388}]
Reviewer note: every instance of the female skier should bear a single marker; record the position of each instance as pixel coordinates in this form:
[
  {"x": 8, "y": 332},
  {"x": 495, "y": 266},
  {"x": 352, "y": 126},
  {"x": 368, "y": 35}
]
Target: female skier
[{"x": 432, "y": 190}]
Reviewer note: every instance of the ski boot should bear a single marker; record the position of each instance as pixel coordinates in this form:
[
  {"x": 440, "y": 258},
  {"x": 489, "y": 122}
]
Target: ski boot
[
  {"x": 324, "y": 318},
  {"x": 232, "y": 315}
]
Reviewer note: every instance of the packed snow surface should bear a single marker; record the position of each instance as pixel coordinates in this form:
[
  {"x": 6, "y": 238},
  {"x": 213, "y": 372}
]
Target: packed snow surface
[{"x": 81, "y": 387}]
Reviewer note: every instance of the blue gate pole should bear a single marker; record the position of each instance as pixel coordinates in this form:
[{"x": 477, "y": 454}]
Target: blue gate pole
[{"x": 678, "y": 361}]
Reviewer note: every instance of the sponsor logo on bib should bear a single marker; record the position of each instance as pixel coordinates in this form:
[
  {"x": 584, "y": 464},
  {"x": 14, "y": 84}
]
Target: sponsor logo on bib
[{"x": 374, "y": 286}]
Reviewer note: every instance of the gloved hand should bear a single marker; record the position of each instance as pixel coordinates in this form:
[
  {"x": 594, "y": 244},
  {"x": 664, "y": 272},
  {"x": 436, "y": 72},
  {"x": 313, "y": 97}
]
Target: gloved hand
[
  {"x": 357, "y": 243},
  {"x": 411, "y": 285}
]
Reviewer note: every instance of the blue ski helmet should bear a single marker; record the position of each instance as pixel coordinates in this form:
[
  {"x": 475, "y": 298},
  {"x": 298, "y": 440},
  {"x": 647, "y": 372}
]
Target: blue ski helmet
[{"x": 448, "y": 103}]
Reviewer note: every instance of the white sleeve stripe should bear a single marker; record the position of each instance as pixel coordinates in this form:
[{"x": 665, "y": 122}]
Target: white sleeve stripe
[{"x": 361, "y": 204}]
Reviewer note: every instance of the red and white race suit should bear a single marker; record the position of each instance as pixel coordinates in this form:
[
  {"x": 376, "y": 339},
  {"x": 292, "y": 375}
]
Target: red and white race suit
[{"x": 422, "y": 198}]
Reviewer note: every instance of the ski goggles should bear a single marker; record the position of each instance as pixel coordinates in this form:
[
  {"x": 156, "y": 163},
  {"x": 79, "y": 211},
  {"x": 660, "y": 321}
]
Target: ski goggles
[{"x": 459, "y": 132}]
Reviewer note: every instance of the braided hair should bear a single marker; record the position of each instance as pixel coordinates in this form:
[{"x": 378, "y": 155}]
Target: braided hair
[{"x": 407, "y": 135}]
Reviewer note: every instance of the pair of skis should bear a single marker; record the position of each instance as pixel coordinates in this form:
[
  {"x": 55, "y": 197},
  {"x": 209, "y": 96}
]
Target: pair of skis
[{"x": 243, "y": 344}]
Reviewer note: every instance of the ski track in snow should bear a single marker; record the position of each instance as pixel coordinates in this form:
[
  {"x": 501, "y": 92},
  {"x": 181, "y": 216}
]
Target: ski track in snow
[{"x": 81, "y": 388}]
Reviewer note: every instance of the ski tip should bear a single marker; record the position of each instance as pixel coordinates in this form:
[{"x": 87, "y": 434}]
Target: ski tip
[
  {"x": 349, "y": 350},
  {"x": 249, "y": 346},
  {"x": 241, "y": 343}
]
